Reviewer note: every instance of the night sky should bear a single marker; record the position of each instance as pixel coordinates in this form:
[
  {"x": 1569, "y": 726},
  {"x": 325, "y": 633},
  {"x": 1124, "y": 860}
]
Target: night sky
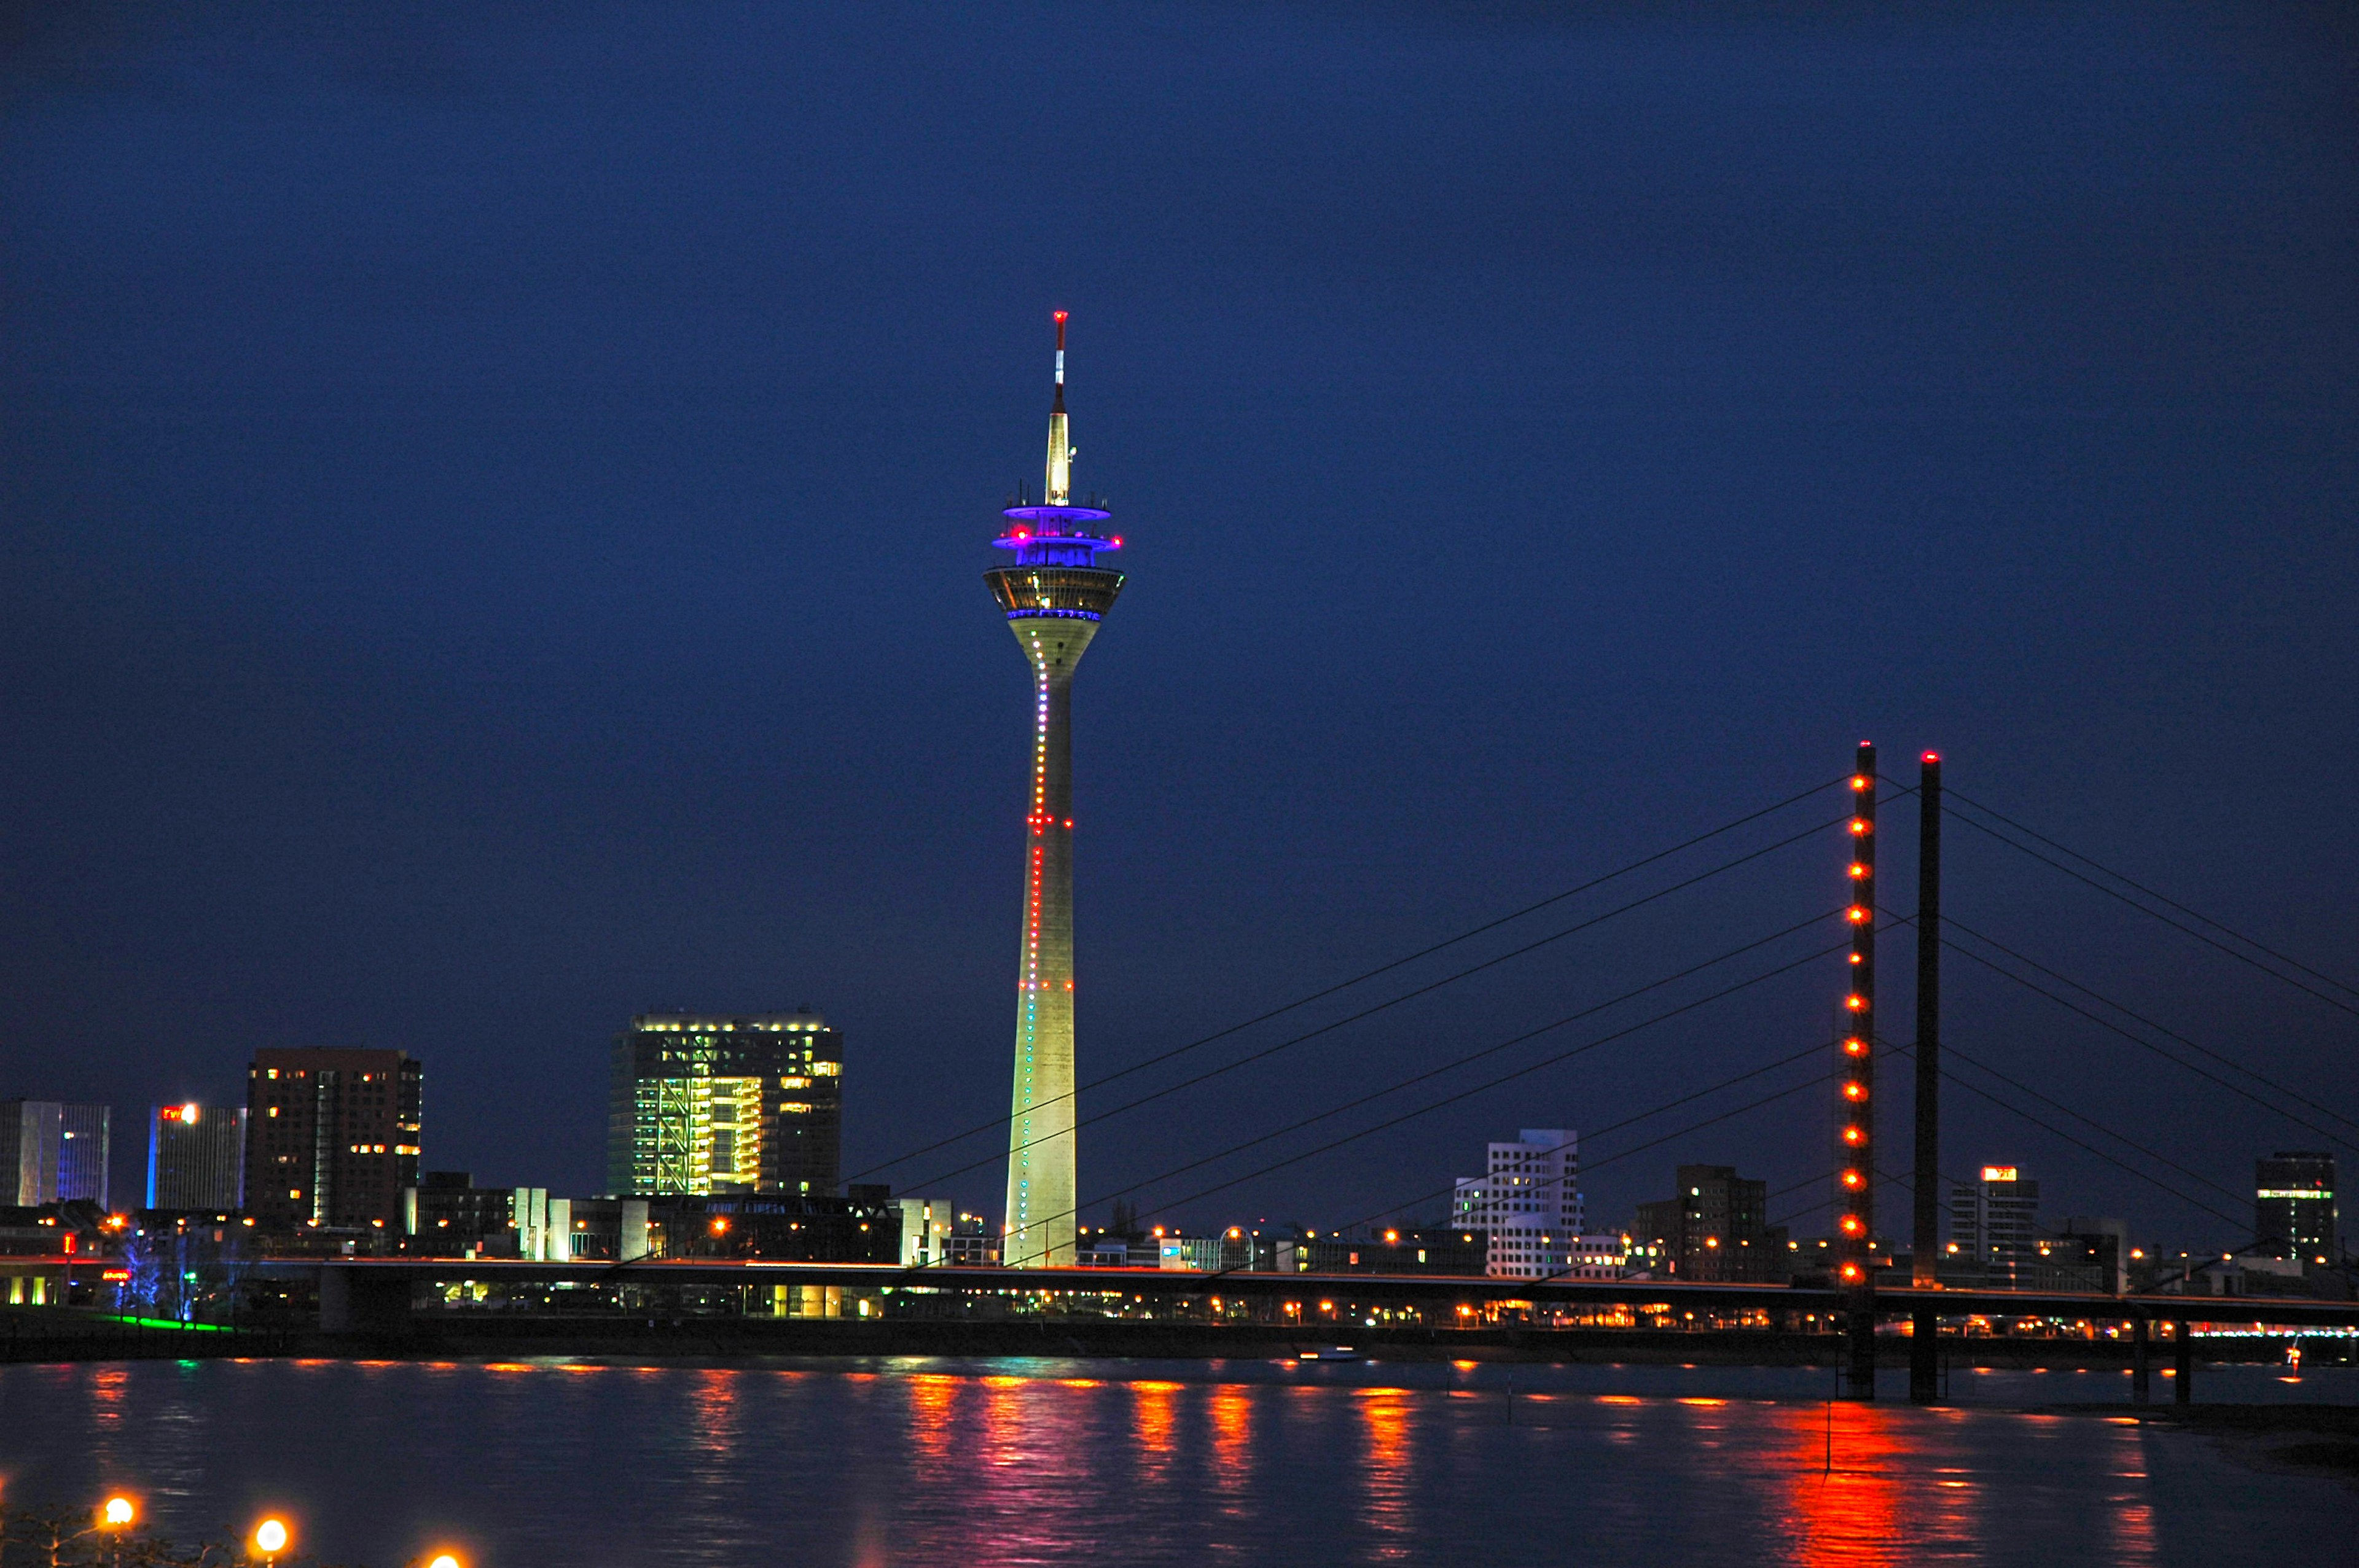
[{"x": 494, "y": 505}]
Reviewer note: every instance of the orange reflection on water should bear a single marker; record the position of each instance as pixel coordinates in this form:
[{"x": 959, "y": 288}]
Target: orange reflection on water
[
  {"x": 1842, "y": 1499},
  {"x": 933, "y": 1401},
  {"x": 1151, "y": 1412},
  {"x": 713, "y": 1398},
  {"x": 2132, "y": 1508},
  {"x": 108, "y": 1388},
  {"x": 1232, "y": 1435},
  {"x": 1385, "y": 1416}
]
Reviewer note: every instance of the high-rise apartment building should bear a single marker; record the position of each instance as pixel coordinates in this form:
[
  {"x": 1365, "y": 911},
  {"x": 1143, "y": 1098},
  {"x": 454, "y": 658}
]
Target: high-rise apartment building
[
  {"x": 1716, "y": 1228},
  {"x": 196, "y": 1157},
  {"x": 702, "y": 1103},
  {"x": 52, "y": 1151},
  {"x": 1994, "y": 1223},
  {"x": 1054, "y": 597},
  {"x": 2294, "y": 1209},
  {"x": 331, "y": 1137},
  {"x": 1528, "y": 1199}
]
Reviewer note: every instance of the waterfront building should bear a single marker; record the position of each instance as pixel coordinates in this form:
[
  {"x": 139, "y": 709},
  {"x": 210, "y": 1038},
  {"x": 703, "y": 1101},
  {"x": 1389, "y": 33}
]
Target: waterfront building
[
  {"x": 702, "y": 1103},
  {"x": 196, "y": 1157},
  {"x": 447, "y": 1216},
  {"x": 926, "y": 1227},
  {"x": 1994, "y": 1226},
  {"x": 865, "y": 1226},
  {"x": 1054, "y": 596},
  {"x": 2096, "y": 1245},
  {"x": 54, "y": 1151},
  {"x": 2294, "y": 1207},
  {"x": 972, "y": 1243},
  {"x": 1527, "y": 1202},
  {"x": 1410, "y": 1249},
  {"x": 1716, "y": 1228},
  {"x": 1608, "y": 1255},
  {"x": 332, "y": 1138}
]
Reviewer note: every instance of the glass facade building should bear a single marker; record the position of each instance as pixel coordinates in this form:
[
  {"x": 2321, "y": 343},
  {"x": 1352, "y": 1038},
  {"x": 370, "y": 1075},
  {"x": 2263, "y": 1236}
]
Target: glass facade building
[
  {"x": 54, "y": 1152},
  {"x": 702, "y": 1103}
]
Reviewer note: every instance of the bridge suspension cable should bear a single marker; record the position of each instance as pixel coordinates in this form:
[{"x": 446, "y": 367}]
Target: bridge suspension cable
[
  {"x": 1328, "y": 1028},
  {"x": 1429, "y": 1106},
  {"x": 2243, "y": 958},
  {"x": 1469, "y": 1059},
  {"x": 2340, "y": 1140},
  {"x": 1429, "y": 1195}
]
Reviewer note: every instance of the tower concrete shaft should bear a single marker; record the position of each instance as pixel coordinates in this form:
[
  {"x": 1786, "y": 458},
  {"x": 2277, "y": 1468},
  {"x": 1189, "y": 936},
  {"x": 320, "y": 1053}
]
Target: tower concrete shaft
[
  {"x": 1055, "y": 597},
  {"x": 1040, "y": 1151}
]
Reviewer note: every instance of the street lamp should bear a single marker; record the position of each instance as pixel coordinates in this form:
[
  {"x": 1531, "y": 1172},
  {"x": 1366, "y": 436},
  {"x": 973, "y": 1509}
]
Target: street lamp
[
  {"x": 270, "y": 1539},
  {"x": 118, "y": 1512},
  {"x": 445, "y": 1561}
]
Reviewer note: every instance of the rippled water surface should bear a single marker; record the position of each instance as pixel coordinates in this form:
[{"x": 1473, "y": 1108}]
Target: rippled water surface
[{"x": 1040, "y": 1461}]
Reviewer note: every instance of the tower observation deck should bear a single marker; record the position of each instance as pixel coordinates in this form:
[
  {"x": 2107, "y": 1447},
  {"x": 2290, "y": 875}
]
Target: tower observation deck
[{"x": 1055, "y": 594}]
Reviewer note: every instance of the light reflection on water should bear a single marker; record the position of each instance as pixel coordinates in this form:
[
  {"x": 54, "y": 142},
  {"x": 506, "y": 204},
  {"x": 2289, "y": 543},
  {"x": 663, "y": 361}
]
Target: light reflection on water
[{"x": 1040, "y": 1461}]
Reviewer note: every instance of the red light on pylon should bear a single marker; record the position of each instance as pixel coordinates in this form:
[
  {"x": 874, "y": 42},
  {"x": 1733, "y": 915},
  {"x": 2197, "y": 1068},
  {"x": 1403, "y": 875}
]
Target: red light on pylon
[
  {"x": 1855, "y": 1046},
  {"x": 1933, "y": 757},
  {"x": 1859, "y": 827},
  {"x": 1853, "y": 1179},
  {"x": 1858, "y": 871},
  {"x": 1854, "y": 1091},
  {"x": 1854, "y": 1136},
  {"x": 1861, "y": 781},
  {"x": 1857, "y": 1003},
  {"x": 1850, "y": 1225},
  {"x": 1058, "y": 315},
  {"x": 1855, "y": 914}
]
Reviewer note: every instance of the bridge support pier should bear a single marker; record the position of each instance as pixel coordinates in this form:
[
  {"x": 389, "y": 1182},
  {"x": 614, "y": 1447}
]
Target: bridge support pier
[
  {"x": 2182, "y": 1362},
  {"x": 2140, "y": 1389},
  {"x": 1925, "y": 1356}
]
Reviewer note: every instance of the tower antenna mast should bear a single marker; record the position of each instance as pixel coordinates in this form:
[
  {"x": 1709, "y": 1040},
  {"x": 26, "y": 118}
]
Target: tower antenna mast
[{"x": 1059, "y": 489}]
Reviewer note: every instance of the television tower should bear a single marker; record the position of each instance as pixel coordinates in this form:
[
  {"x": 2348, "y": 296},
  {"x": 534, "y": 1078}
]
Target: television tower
[{"x": 1055, "y": 594}]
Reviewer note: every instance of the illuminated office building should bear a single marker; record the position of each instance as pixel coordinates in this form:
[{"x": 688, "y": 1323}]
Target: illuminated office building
[
  {"x": 1994, "y": 1224},
  {"x": 331, "y": 1137},
  {"x": 1054, "y": 596},
  {"x": 2294, "y": 1209},
  {"x": 703, "y": 1103},
  {"x": 196, "y": 1157}
]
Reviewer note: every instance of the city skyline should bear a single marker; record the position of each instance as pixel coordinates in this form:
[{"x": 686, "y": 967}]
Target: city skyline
[{"x": 552, "y": 599}]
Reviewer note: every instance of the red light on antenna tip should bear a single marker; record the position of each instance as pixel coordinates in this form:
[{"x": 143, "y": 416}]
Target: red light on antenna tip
[
  {"x": 1932, "y": 756},
  {"x": 1059, "y": 315}
]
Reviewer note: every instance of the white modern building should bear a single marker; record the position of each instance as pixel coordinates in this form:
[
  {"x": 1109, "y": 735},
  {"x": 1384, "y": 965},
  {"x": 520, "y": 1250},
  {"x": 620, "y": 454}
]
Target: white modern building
[{"x": 1530, "y": 1201}]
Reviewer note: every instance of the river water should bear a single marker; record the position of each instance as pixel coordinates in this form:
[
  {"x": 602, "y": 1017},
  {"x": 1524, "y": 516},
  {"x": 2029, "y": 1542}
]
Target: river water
[{"x": 1029, "y": 1461}]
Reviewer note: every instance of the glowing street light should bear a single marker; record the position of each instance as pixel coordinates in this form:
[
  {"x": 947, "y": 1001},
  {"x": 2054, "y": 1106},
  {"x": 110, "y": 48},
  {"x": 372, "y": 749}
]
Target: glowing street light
[
  {"x": 118, "y": 1512},
  {"x": 270, "y": 1538},
  {"x": 445, "y": 1561}
]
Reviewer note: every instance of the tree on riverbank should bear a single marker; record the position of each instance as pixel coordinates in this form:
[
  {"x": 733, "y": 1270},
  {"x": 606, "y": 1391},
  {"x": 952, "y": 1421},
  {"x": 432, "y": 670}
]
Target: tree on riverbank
[{"x": 55, "y": 1538}]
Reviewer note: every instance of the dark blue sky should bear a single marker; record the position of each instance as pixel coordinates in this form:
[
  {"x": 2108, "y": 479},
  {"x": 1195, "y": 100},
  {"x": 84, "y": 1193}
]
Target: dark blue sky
[{"x": 494, "y": 506}]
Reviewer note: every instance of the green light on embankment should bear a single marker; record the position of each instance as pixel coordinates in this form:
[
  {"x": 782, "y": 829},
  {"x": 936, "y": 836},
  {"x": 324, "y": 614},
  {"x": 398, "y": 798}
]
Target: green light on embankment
[{"x": 167, "y": 1323}]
